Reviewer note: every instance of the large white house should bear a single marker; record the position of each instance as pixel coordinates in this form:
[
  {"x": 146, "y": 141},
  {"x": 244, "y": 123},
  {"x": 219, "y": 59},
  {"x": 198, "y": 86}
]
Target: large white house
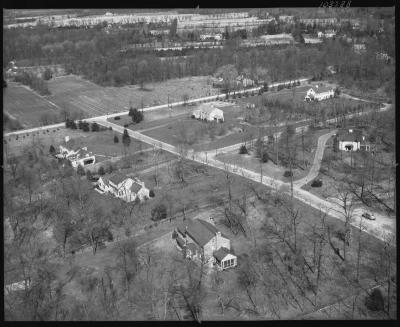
[
  {"x": 78, "y": 157},
  {"x": 319, "y": 93},
  {"x": 123, "y": 187},
  {"x": 199, "y": 239},
  {"x": 207, "y": 111},
  {"x": 352, "y": 140}
]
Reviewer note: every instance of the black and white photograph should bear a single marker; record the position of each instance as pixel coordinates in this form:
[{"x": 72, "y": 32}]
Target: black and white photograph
[{"x": 199, "y": 164}]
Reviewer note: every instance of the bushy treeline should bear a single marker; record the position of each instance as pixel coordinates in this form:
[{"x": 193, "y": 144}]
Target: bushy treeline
[
  {"x": 34, "y": 82},
  {"x": 96, "y": 54}
]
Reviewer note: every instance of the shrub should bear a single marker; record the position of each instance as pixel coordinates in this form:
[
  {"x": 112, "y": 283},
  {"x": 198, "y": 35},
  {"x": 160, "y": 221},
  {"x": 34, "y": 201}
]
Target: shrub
[
  {"x": 88, "y": 175},
  {"x": 110, "y": 128},
  {"x": 265, "y": 157},
  {"x": 101, "y": 171},
  {"x": 117, "y": 118},
  {"x": 151, "y": 194},
  {"x": 137, "y": 116},
  {"x": 159, "y": 212},
  {"x": 116, "y": 139},
  {"x": 316, "y": 183},
  {"x": 243, "y": 149},
  {"x": 52, "y": 150},
  {"x": 80, "y": 170},
  {"x": 95, "y": 127},
  {"x": 126, "y": 125},
  {"x": 375, "y": 301},
  {"x": 287, "y": 173}
]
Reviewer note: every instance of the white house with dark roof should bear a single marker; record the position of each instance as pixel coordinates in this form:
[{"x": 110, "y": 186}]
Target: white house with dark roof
[
  {"x": 352, "y": 140},
  {"x": 77, "y": 157},
  {"x": 318, "y": 93},
  {"x": 199, "y": 239},
  {"x": 123, "y": 187},
  {"x": 207, "y": 111}
]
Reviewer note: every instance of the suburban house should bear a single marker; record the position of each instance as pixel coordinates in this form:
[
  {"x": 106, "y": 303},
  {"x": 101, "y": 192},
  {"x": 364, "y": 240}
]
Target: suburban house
[
  {"x": 351, "y": 140},
  {"x": 319, "y": 93},
  {"x": 383, "y": 56},
  {"x": 199, "y": 239},
  {"x": 78, "y": 157},
  {"x": 309, "y": 39},
  {"x": 123, "y": 187},
  {"x": 244, "y": 81},
  {"x": 359, "y": 48},
  {"x": 327, "y": 34},
  {"x": 211, "y": 37},
  {"x": 207, "y": 111}
]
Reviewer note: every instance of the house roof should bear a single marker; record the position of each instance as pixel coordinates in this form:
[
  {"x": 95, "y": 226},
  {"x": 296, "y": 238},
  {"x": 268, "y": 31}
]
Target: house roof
[
  {"x": 322, "y": 89},
  {"x": 135, "y": 187},
  {"x": 221, "y": 253},
  {"x": 199, "y": 230},
  {"x": 345, "y": 135},
  {"x": 208, "y": 108},
  {"x": 180, "y": 241},
  {"x": 117, "y": 178}
]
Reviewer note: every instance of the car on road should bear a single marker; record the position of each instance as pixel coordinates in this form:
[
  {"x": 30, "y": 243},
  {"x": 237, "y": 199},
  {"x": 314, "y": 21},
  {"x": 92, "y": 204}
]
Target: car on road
[{"x": 369, "y": 216}]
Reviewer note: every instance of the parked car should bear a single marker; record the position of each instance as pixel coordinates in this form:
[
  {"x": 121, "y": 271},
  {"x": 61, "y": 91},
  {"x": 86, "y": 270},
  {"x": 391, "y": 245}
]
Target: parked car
[{"x": 369, "y": 216}]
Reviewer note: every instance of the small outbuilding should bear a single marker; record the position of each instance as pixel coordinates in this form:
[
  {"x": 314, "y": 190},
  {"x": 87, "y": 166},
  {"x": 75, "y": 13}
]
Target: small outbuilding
[{"x": 352, "y": 140}]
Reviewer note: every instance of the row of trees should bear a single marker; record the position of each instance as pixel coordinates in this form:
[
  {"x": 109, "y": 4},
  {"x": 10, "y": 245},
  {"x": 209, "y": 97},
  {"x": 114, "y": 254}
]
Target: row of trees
[
  {"x": 96, "y": 55},
  {"x": 33, "y": 81}
]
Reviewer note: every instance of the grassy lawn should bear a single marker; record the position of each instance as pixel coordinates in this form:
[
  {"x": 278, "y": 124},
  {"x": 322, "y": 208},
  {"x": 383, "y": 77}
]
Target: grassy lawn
[
  {"x": 101, "y": 144},
  {"x": 26, "y": 106}
]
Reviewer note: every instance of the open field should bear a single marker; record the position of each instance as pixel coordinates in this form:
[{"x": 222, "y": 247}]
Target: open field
[
  {"x": 78, "y": 95},
  {"x": 26, "y": 106}
]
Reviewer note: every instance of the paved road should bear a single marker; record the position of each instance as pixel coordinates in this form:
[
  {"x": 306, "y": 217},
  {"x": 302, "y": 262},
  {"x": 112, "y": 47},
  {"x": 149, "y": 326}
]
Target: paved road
[{"x": 319, "y": 153}]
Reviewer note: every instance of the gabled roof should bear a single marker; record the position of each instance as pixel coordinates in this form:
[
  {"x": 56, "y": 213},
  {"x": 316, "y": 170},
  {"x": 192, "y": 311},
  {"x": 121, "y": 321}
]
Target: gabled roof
[
  {"x": 199, "y": 230},
  {"x": 322, "y": 89},
  {"x": 135, "y": 187},
  {"x": 221, "y": 253},
  {"x": 117, "y": 178},
  {"x": 207, "y": 108}
]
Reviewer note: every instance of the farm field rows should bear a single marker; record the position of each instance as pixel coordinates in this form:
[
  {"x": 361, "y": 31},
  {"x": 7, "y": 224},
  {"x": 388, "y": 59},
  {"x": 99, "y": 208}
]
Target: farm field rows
[
  {"x": 26, "y": 106},
  {"x": 76, "y": 94}
]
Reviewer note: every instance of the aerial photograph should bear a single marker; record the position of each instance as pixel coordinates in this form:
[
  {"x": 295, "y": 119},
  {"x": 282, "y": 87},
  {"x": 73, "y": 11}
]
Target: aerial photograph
[{"x": 199, "y": 164}]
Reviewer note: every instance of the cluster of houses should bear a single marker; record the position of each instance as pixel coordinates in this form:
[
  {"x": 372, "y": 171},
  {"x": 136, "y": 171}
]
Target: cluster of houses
[
  {"x": 319, "y": 93},
  {"x": 201, "y": 241},
  {"x": 208, "y": 112},
  {"x": 123, "y": 187},
  {"x": 79, "y": 157}
]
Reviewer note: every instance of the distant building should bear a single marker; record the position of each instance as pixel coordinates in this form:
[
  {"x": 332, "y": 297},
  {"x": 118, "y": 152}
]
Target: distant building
[
  {"x": 383, "y": 56},
  {"x": 319, "y": 93},
  {"x": 201, "y": 240},
  {"x": 286, "y": 19},
  {"x": 327, "y": 34},
  {"x": 359, "y": 48},
  {"x": 207, "y": 111},
  {"x": 309, "y": 39},
  {"x": 123, "y": 187},
  {"x": 211, "y": 37},
  {"x": 244, "y": 81},
  {"x": 352, "y": 140}
]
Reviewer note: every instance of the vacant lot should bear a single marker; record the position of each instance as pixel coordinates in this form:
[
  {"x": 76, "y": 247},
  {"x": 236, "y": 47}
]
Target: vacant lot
[
  {"x": 78, "y": 95},
  {"x": 26, "y": 106}
]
